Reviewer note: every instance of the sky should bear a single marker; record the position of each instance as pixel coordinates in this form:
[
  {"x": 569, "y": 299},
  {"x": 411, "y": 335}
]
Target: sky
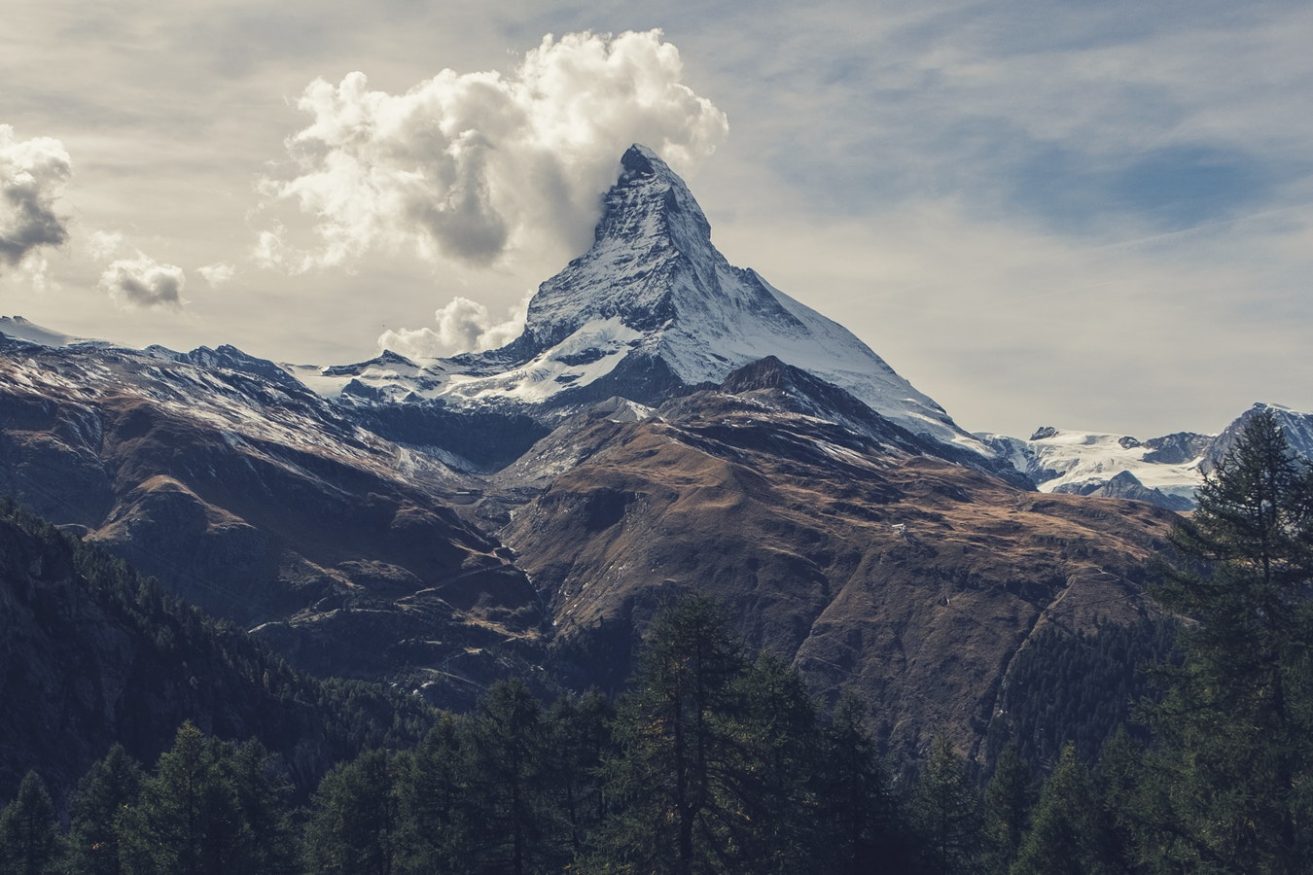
[{"x": 1090, "y": 215}]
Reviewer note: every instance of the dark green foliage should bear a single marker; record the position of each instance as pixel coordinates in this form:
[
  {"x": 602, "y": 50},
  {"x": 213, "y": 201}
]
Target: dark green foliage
[
  {"x": 91, "y": 623},
  {"x": 1068, "y": 833},
  {"x": 736, "y": 751},
  {"x": 946, "y": 812},
  {"x": 510, "y": 783},
  {"x": 721, "y": 765},
  {"x": 29, "y": 842},
  {"x": 675, "y": 809},
  {"x": 1009, "y": 796},
  {"x": 1079, "y": 688},
  {"x": 580, "y": 728},
  {"x": 435, "y": 804},
  {"x": 1233, "y": 762},
  {"x": 353, "y": 824},
  {"x": 860, "y": 820},
  {"x": 108, "y": 790},
  {"x": 208, "y": 807}
]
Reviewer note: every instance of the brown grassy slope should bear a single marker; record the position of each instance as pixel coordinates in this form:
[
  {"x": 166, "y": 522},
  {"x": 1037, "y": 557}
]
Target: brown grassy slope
[{"x": 799, "y": 541}]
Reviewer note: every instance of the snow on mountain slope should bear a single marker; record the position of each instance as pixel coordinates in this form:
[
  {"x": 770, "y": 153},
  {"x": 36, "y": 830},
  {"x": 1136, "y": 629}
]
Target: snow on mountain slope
[
  {"x": 1061, "y": 459},
  {"x": 253, "y": 402},
  {"x": 650, "y": 307},
  {"x": 1092, "y": 463},
  {"x": 18, "y": 328}
]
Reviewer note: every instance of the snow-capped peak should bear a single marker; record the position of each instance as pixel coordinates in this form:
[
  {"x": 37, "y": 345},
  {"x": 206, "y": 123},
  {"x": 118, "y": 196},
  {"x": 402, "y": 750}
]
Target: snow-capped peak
[{"x": 653, "y": 306}]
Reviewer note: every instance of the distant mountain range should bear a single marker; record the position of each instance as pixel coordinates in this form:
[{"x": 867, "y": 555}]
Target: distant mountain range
[
  {"x": 1164, "y": 470},
  {"x": 666, "y": 423}
]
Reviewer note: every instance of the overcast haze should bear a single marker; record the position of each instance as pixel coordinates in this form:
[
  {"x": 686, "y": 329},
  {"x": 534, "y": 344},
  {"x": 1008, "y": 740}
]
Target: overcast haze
[{"x": 1090, "y": 215}]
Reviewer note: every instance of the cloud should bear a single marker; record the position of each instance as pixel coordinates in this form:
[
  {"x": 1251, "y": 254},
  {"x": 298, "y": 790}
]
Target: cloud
[
  {"x": 32, "y": 177},
  {"x": 217, "y": 274},
  {"x": 143, "y": 282},
  {"x": 102, "y": 244},
  {"x": 462, "y": 326},
  {"x": 462, "y": 166}
]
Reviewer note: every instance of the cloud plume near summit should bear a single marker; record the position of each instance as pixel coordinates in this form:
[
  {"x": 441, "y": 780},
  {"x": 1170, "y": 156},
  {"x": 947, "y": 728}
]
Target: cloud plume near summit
[
  {"x": 461, "y": 165},
  {"x": 33, "y": 174}
]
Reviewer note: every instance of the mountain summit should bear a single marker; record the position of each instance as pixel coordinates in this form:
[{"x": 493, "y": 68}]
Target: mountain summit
[{"x": 650, "y": 310}]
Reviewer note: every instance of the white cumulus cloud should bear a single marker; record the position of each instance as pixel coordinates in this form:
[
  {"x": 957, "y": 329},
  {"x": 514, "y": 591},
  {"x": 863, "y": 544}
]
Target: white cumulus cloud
[
  {"x": 143, "y": 282},
  {"x": 464, "y": 165},
  {"x": 461, "y": 326},
  {"x": 33, "y": 174}
]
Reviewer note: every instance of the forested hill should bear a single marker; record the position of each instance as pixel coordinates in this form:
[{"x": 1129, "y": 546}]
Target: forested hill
[{"x": 91, "y": 654}]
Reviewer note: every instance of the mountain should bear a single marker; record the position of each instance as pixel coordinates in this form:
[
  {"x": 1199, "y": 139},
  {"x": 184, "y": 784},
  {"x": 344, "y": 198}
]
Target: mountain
[
  {"x": 666, "y": 423},
  {"x": 252, "y": 497},
  {"x": 1297, "y": 428},
  {"x": 868, "y": 563},
  {"x": 96, "y": 655},
  {"x": 651, "y": 310},
  {"x": 1164, "y": 470}
]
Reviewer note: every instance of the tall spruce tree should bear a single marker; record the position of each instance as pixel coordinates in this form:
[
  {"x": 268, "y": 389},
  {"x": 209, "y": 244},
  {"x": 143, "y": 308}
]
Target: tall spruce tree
[
  {"x": 29, "y": 840},
  {"x": 674, "y": 808},
  {"x": 108, "y": 790},
  {"x": 1065, "y": 834},
  {"x": 1236, "y": 729},
  {"x": 947, "y": 811},
  {"x": 436, "y": 830},
  {"x": 187, "y": 820},
  {"x": 1008, "y": 799},
  {"x": 353, "y": 823},
  {"x": 860, "y": 825},
  {"x": 509, "y": 783},
  {"x": 775, "y": 772},
  {"x": 580, "y": 736}
]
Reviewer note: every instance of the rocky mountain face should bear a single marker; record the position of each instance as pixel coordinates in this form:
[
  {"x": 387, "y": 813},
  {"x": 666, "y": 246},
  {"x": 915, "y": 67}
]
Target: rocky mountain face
[
  {"x": 253, "y": 498},
  {"x": 666, "y": 423}
]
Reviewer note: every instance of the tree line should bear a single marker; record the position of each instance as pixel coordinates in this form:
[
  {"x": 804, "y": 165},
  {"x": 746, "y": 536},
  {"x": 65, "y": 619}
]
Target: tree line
[{"x": 714, "y": 762}]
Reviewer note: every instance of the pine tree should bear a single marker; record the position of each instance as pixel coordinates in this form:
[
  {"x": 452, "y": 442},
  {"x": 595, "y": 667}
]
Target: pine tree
[
  {"x": 437, "y": 812},
  {"x": 108, "y": 789},
  {"x": 354, "y": 819},
  {"x": 1068, "y": 832},
  {"x": 580, "y": 736},
  {"x": 775, "y": 771},
  {"x": 509, "y": 781},
  {"x": 1236, "y": 729},
  {"x": 1008, "y": 798},
  {"x": 263, "y": 792},
  {"x": 947, "y": 811},
  {"x": 860, "y": 824},
  {"x": 673, "y": 807},
  {"x": 29, "y": 841},
  {"x": 187, "y": 820}
]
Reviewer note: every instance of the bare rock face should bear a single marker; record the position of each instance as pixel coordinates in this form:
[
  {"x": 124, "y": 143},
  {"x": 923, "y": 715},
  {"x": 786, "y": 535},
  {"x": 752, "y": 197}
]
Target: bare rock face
[{"x": 869, "y": 563}]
